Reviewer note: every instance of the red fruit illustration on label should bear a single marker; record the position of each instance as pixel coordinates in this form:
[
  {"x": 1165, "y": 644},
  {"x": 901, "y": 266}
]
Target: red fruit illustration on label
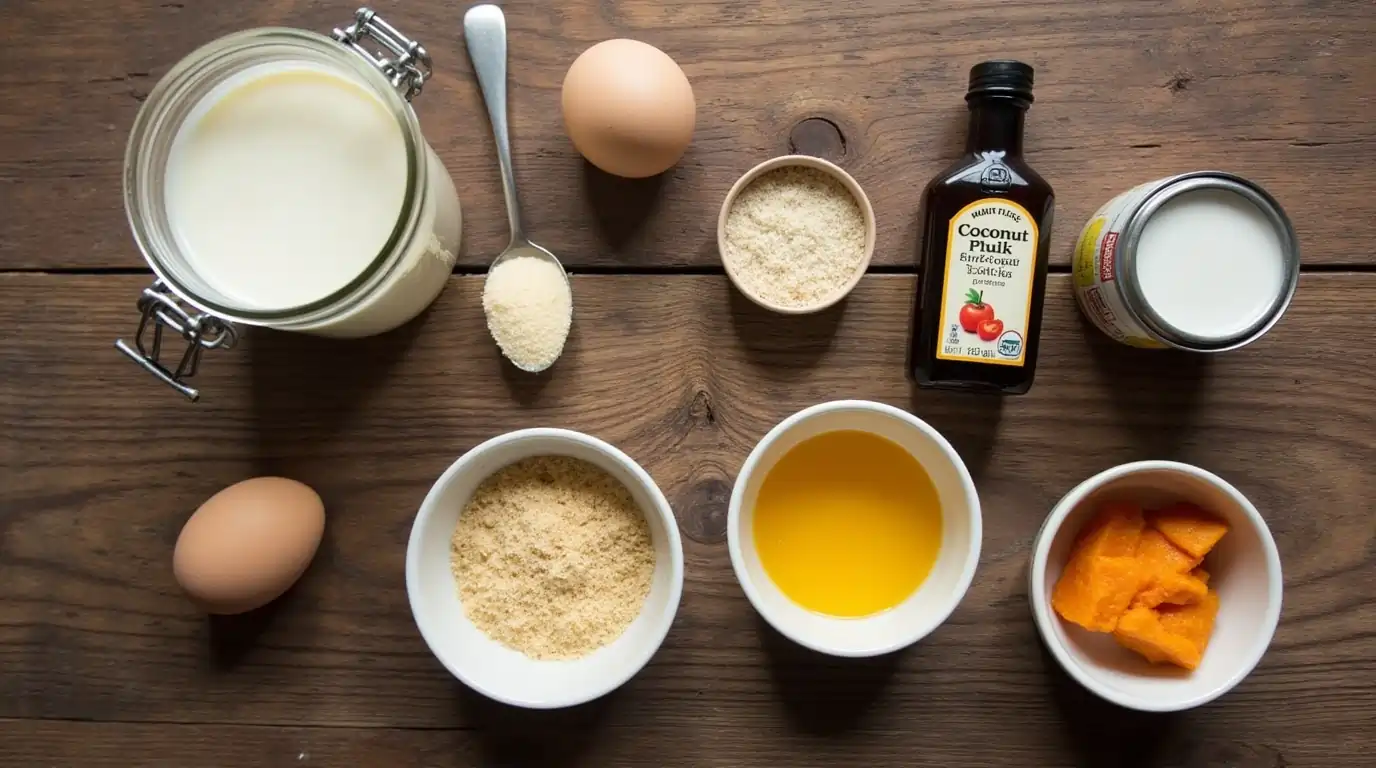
[
  {"x": 990, "y": 329},
  {"x": 975, "y": 311}
]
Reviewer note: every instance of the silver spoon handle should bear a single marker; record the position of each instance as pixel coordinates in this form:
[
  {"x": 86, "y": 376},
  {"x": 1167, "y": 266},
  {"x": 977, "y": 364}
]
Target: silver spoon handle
[{"x": 484, "y": 32}]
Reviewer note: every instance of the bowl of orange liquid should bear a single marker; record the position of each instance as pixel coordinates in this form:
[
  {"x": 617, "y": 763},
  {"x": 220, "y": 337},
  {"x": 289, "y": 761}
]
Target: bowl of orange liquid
[{"x": 854, "y": 528}]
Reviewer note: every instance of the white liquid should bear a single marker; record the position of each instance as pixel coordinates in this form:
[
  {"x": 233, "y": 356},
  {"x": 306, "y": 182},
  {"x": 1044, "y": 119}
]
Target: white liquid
[
  {"x": 1210, "y": 263},
  {"x": 288, "y": 180}
]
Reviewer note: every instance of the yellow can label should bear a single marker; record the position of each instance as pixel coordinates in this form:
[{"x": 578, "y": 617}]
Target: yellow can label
[
  {"x": 1095, "y": 271},
  {"x": 1084, "y": 252}
]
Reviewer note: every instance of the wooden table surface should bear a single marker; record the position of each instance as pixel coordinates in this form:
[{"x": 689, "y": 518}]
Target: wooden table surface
[{"x": 104, "y": 663}]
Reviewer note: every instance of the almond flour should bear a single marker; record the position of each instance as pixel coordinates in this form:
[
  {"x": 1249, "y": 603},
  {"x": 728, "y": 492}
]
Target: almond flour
[
  {"x": 552, "y": 557},
  {"x": 794, "y": 237}
]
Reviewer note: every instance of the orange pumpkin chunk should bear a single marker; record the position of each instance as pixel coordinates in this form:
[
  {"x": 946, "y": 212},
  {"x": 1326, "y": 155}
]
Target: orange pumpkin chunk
[
  {"x": 1094, "y": 591},
  {"x": 1189, "y": 527},
  {"x": 1194, "y": 622},
  {"x": 1115, "y": 531},
  {"x": 1161, "y": 586},
  {"x": 1102, "y": 575},
  {"x": 1140, "y": 578},
  {"x": 1158, "y": 553},
  {"x": 1141, "y": 630}
]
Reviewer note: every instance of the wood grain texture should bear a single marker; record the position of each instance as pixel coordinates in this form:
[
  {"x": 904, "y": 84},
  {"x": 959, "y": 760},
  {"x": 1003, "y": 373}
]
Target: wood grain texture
[
  {"x": 702, "y": 744},
  {"x": 1126, "y": 92},
  {"x": 99, "y": 466}
]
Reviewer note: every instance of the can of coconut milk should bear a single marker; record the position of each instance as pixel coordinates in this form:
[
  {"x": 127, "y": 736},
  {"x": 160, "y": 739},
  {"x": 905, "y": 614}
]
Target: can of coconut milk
[{"x": 1204, "y": 261}]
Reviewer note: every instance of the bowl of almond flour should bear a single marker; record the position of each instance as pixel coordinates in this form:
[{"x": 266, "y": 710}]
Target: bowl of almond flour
[
  {"x": 544, "y": 568},
  {"x": 796, "y": 234}
]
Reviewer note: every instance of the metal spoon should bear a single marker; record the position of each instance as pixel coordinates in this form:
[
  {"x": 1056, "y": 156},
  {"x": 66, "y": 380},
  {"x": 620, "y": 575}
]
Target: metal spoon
[{"x": 484, "y": 30}]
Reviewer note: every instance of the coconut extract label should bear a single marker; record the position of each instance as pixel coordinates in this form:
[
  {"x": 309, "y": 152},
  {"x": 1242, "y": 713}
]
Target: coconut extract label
[{"x": 986, "y": 297}]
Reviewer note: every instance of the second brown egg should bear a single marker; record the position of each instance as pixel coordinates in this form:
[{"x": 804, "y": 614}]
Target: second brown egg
[
  {"x": 628, "y": 108},
  {"x": 248, "y": 544}
]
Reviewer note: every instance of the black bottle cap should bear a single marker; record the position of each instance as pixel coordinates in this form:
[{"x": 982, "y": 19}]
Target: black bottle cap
[{"x": 1003, "y": 78}]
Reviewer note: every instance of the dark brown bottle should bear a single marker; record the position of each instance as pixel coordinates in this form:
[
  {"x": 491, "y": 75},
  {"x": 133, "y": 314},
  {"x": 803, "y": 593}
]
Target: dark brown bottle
[{"x": 985, "y": 240}]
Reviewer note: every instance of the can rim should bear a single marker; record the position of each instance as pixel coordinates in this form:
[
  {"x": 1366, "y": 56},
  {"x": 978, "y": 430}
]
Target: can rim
[{"x": 1171, "y": 188}]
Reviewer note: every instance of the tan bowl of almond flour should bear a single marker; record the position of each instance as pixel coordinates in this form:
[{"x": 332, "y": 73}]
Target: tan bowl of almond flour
[
  {"x": 799, "y": 254},
  {"x": 496, "y": 670}
]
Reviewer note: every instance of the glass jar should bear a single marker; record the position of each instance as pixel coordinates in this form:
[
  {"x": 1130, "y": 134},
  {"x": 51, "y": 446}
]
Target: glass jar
[{"x": 401, "y": 280}]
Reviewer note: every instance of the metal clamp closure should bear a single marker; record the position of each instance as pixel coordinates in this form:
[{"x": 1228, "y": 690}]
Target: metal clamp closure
[
  {"x": 160, "y": 309},
  {"x": 411, "y": 67}
]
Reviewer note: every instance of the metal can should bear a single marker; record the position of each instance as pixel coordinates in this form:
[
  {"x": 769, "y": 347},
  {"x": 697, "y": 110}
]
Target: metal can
[{"x": 1109, "y": 273}]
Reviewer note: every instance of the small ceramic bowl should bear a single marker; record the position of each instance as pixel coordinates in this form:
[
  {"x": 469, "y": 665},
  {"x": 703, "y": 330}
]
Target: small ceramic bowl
[
  {"x": 805, "y": 161},
  {"x": 925, "y": 609},
  {"x": 482, "y": 663},
  {"x": 1244, "y": 567}
]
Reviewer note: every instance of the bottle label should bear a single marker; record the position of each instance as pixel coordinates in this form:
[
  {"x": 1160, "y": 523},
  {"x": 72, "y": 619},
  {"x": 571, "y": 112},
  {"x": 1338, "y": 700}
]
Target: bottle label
[{"x": 986, "y": 295}]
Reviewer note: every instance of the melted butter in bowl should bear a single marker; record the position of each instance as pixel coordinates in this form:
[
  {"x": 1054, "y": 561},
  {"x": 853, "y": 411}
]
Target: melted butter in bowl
[
  {"x": 908, "y": 555},
  {"x": 848, "y": 523}
]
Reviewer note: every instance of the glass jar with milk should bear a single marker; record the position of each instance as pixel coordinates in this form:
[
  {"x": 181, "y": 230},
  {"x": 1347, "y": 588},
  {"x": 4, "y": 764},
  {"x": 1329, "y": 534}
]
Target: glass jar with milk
[{"x": 278, "y": 177}]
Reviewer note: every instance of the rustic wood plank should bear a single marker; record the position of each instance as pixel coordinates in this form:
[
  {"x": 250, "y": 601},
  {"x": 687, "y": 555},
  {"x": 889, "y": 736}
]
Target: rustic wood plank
[
  {"x": 99, "y": 466},
  {"x": 1126, "y": 92},
  {"x": 714, "y": 742}
]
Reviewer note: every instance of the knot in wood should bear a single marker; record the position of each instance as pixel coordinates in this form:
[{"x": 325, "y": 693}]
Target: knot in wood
[
  {"x": 819, "y": 137},
  {"x": 702, "y": 509},
  {"x": 700, "y": 411}
]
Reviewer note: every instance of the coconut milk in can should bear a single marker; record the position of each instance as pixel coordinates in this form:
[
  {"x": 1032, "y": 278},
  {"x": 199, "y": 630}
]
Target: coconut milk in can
[{"x": 1204, "y": 262}]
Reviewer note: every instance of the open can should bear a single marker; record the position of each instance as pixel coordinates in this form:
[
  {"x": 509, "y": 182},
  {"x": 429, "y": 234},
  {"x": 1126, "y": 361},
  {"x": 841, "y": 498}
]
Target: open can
[
  {"x": 1204, "y": 262},
  {"x": 401, "y": 276}
]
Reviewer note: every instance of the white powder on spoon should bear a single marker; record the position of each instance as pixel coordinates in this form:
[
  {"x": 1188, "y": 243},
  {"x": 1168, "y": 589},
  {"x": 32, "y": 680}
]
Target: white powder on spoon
[{"x": 529, "y": 310}]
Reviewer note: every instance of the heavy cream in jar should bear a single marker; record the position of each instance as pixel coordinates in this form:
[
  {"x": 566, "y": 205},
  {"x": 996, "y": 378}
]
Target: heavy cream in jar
[
  {"x": 287, "y": 182},
  {"x": 1204, "y": 262},
  {"x": 278, "y": 177}
]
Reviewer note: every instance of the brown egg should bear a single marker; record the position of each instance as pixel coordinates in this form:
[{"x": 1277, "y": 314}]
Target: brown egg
[
  {"x": 248, "y": 543},
  {"x": 628, "y": 108}
]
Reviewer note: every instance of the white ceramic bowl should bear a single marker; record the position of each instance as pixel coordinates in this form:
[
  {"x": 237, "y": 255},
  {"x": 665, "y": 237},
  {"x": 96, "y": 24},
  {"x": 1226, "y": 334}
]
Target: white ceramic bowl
[
  {"x": 1244, "y": 567},
  {"x": 484, "y": 664},
  {"x": 938, "y": 596}
]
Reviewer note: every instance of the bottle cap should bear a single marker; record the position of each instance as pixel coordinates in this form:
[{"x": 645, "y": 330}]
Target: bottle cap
[{"x": 1001, "y": 79}]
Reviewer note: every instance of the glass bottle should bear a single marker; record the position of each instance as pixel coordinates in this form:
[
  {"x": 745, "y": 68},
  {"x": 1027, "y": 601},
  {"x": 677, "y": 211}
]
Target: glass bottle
[{"x": 985, "y": 243}]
